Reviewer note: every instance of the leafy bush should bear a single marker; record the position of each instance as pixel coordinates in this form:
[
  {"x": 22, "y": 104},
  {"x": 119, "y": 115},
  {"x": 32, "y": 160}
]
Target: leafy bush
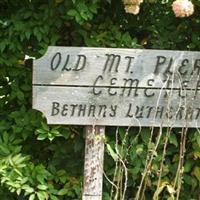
[{"x": 39, "y": 161}]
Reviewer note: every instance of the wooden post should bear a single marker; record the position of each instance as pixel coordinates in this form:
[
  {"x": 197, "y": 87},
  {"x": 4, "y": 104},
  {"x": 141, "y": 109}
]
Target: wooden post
[{"x": 93, "y": 167}]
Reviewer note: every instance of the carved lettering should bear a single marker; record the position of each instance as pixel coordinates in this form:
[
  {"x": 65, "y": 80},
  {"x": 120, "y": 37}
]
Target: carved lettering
[
  {"x": 55, "y": 108},
  {"x": 183, "y": 69},
  {"x": 167, "y": 88},
  {"x": 91, "y": 111},
  {"x": 74, "y": 106},
  {"x": 149, "y": 83},
  {"x": 65, "y": 65},
  {"x": 56, "y": 60},
  {"x": 159, "y": 112},
  {"x": 196, "y": 67},
  {"x": 112, "y": 82},
  {"x": 128, "y": 86},
  {"x": 189, "y": 113},
  {"x": 113, "y": 110},
  {"x": 82, "y": 109},
  {"x": 169, "y": 113},
  {"x": 123, "y": 86},
  {"x": 102, "y": 110},
  {"x": 139, "y": 112},
  {"x": 198, "y": 113},
  {"x": 180, "y": 113},
  {"x": 81, "y": 62},
  {"x": 160, "y": 61},
  {"x": 167, "y": 71},
  {"x": 149, "y": 111},
  {"x": 129, "y": 62},
  {"x": 112, "y": 61},
  {"x": 197, "y": 88},
  {"x": 94, "y": 86},
  {"x": 183, "y": 89},
  {"x": 64, "y": 110},
  {"x": 129, "y": 111}
]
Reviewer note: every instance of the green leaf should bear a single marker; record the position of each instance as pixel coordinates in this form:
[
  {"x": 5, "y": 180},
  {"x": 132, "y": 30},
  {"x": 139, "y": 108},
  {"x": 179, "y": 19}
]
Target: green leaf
[
  {"x": 198, "y": 138},
  {"x": 2, "y": 46},
  {"x": 145, "y": 135},
  {"x": 4, "y": 149},
  {"x": 32, "y": 197},
  {"x": 197, "y": 173},
  {"x": 20, "y": 95},
  {"x": 93, "y": 8},
  {"x": 72, "y": 12},
  {"x": 40, "y": 178},
  {"x": 112, "y": 153},
  {"x": 42, "y": 137},
  {"x": 173, "y": 139},
  {"x": 45, "y": 126},
  {"x": 42, "y": 195},
  {"x": 28, "y": 189},
  {"x": 139, "y": 149},
  {"x": 188, "y": 166},
  {"x": 41, "y": 131},
  {"x": 63, "y": 191},
  {"x": 39, "y": 36},
  {"x": 18, "y": 191},
  {"x": 42, "y": 187},
  {"x": 54, "y": 197},
  {"x": 17, "y": 159},
  {"x": 5, "y": 137},
  {"x": 55, "y": 132}
]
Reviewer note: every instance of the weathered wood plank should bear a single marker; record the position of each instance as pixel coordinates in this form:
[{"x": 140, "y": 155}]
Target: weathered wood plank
[
  {"x": 123, "y": 87},
  {"x": 73, "y": 105},
  {"x": 93, "y": 166},
  {"x": 75, "y": 66}
]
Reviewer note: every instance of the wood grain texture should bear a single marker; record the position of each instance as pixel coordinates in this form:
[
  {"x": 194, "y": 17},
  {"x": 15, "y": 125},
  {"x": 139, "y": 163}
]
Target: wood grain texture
[
  {"x": 93, "y": 166},
  {"x": 118, "y": 87},
  {"x": 142, "y": 66},
  {"x": 79, "y": 106}
]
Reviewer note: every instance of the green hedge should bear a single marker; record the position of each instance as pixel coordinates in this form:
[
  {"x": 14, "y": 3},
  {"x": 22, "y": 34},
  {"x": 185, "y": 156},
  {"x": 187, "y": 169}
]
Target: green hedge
[{"x": 38, "y": 161}]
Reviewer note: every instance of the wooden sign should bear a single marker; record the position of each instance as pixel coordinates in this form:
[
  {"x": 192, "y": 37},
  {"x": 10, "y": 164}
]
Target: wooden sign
[{"x": 122, "y": 87}]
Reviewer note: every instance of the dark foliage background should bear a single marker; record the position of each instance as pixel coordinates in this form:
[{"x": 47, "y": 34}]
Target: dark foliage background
[{"x": 39, "y": 161}]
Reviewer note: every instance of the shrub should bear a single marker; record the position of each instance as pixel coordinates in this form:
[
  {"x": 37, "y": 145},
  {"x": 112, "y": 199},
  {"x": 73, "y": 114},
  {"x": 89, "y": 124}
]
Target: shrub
[{"x": 36, "y": 163}]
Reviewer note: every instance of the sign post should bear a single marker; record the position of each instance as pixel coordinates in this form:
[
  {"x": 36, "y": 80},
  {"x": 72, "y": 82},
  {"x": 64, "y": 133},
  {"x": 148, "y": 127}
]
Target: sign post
[
  {"x": 115, "y": 87},
  {"x": 93, "y": 167}
]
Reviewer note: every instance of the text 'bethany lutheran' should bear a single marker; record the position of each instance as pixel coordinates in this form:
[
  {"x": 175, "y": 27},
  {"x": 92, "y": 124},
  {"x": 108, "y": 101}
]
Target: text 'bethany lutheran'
[{"x": 131, "y": 111}]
